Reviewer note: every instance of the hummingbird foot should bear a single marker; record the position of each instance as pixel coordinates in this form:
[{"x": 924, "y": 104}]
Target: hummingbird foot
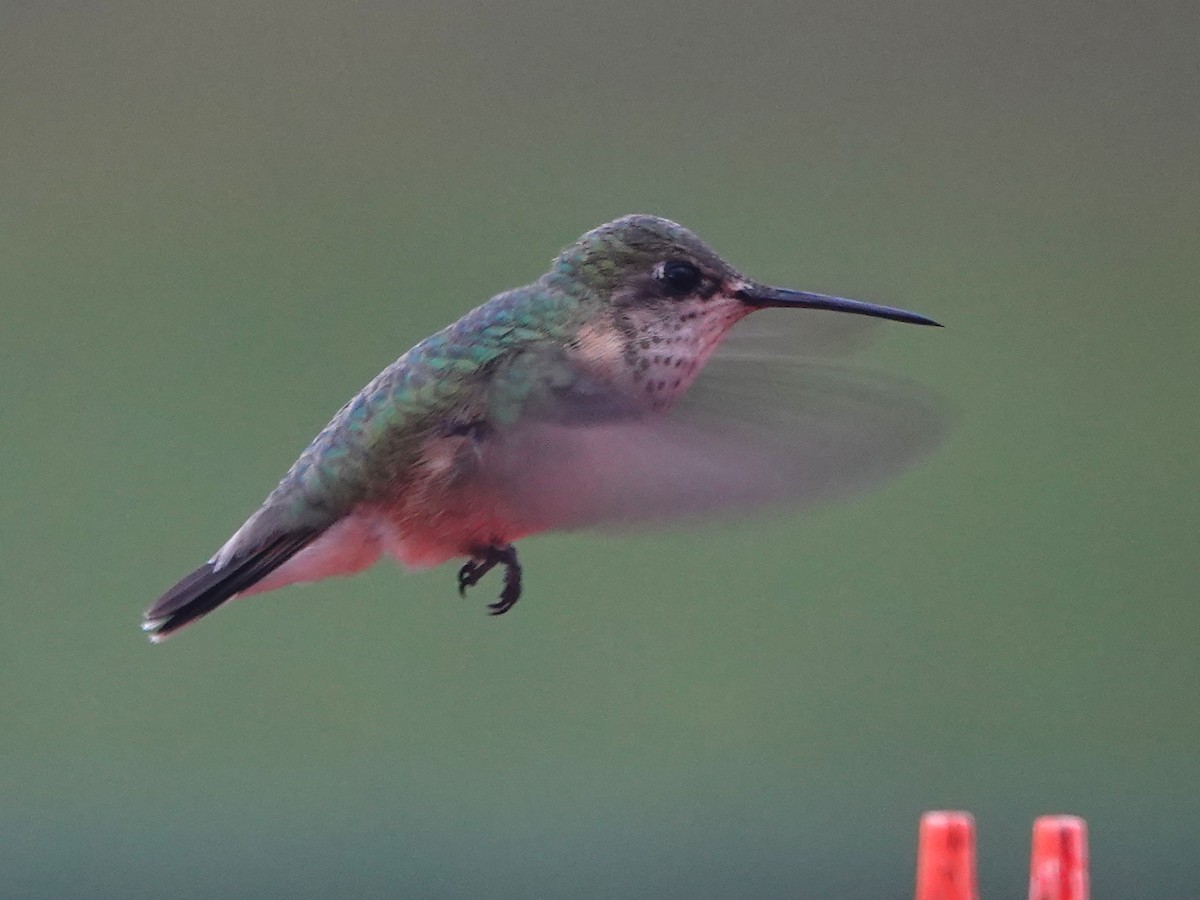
[{"x": 470, "y": 575}]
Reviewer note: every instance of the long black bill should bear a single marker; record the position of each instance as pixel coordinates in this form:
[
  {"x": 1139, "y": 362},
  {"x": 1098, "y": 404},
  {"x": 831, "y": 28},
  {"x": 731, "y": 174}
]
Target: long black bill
[{"x": 763, "y": 296}]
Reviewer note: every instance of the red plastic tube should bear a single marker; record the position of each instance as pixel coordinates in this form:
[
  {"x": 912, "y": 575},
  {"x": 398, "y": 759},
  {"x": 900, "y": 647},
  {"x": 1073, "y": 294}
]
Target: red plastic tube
[
  {"x": 1058, "y": 865},
  {"x": 946, "y": 857}
]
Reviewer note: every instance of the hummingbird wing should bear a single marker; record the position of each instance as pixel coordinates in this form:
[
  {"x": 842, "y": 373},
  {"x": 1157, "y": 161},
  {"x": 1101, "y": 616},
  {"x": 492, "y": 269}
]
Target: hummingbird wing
[
  {"x": 757, "y": 429},
  {"x": 778, "y": 334}
]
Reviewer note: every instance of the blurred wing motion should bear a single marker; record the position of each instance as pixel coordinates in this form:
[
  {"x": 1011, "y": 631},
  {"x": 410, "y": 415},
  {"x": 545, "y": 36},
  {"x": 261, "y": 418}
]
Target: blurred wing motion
[
  {"x": 757, "y": 429},
  {"x": 778, "y": 335}
]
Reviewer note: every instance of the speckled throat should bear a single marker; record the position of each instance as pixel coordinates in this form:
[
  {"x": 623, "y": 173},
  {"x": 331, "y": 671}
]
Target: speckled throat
[{"x": 666, "y": 348}]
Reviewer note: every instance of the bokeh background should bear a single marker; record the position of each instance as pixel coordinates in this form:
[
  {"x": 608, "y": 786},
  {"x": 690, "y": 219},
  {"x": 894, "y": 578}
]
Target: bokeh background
[{"x": 219, "y": 219}]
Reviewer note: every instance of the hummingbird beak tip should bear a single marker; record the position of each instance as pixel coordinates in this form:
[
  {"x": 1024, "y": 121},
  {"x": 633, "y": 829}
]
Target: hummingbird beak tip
[{"x": 917, "y": 319}]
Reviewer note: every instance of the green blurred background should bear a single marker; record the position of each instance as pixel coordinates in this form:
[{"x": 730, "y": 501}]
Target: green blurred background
[{"x": 219, "y": 219}]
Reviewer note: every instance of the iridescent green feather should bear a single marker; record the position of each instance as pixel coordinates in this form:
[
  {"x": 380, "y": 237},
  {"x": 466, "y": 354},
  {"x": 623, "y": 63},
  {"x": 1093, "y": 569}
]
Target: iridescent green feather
[{"x": 375, "y": 439}]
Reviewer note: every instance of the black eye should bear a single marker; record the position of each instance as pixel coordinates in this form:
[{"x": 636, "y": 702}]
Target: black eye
[{"x": 680, "y": 277}]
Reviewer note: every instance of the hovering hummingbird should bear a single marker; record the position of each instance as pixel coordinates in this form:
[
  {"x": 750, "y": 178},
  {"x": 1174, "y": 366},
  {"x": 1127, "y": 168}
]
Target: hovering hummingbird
[{"x": 562, "y": 405}]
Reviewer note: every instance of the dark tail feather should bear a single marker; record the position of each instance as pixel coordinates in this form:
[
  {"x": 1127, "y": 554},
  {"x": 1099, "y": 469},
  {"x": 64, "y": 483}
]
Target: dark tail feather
[{"x": 205, "y": 589}]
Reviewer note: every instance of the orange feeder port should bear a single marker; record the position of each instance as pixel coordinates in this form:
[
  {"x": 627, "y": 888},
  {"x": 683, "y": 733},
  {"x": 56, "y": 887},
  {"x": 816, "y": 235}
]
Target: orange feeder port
[
  {"x": 946, "y": 857},
  {"x": 1058, "y": 865}
]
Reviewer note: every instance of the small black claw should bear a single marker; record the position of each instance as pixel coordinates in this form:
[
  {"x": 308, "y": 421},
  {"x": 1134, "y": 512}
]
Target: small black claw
[
  {"x": 512, "y": 586},
  {"x": 470, "y": 574},
  {"x": 467, "y": 577}
]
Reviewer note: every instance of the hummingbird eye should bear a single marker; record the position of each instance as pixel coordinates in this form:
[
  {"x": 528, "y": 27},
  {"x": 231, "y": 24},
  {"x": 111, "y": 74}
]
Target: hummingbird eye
[{"x": 680, "y": 277}]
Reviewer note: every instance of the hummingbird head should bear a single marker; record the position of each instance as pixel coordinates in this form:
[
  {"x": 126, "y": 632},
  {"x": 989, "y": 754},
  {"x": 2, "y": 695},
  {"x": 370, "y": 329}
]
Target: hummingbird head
[
  {"x": 669, "y": 299},
  {"x": 646, "y": 262}
]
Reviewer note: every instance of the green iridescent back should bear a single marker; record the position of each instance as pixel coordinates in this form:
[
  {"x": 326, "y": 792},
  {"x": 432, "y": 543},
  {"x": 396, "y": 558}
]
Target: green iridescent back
[{"x": 375, "y": 436}]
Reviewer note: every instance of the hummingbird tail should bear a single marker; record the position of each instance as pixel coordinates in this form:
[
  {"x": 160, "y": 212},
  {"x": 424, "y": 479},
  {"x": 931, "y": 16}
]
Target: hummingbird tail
[{"x": 202, "y": 591}]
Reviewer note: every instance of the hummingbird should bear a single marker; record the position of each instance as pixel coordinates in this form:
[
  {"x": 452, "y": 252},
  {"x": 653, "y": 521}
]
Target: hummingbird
[{"x": 566, "y": 404}]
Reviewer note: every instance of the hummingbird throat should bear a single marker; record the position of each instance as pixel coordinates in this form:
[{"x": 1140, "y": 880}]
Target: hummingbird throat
[{"x": 665, "y": 354}]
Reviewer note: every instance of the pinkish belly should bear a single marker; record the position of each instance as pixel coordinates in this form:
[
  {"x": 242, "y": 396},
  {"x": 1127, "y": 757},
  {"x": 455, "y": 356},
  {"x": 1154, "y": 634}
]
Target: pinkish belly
[{"x": 449, "y": 530}]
